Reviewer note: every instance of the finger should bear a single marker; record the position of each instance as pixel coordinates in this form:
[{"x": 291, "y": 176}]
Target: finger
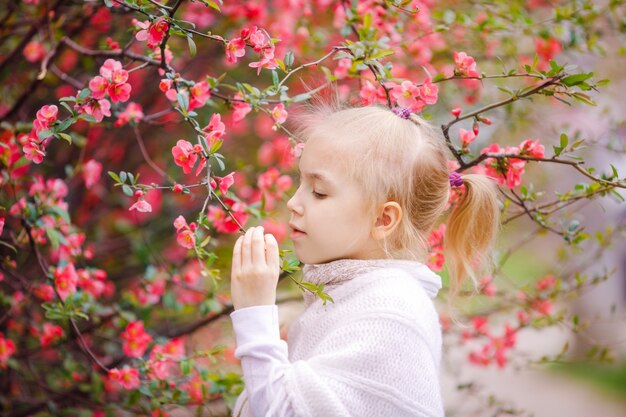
[
  {"x": 236, "y": 266},
  {"x": 271, "y": 253},
  {"x": 258, "y": 246},
  {"x": 246, "y": 250}
]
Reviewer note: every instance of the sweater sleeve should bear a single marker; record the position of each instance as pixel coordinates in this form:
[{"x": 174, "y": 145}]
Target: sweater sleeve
[
  {"x": 375, "y": 364},
  {"x": 263, "y": 356}
]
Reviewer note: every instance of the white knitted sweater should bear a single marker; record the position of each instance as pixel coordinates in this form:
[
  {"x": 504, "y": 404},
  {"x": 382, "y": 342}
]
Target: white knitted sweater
[{"x": 374, "y": 352}]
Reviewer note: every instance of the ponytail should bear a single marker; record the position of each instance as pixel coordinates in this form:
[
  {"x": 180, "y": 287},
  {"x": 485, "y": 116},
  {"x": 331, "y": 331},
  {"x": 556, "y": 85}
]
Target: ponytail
[{"x": 471, "y": 231}]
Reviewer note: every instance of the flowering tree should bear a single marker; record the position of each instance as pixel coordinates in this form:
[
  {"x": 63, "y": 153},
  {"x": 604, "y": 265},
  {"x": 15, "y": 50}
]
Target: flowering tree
[{"x": 139, "y": 135}]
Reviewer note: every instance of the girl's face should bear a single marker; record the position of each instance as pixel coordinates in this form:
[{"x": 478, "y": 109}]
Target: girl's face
[{"x": 328, "y": 216}]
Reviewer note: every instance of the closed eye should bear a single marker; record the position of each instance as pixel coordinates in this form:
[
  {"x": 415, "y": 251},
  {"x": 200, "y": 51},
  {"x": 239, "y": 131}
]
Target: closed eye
[{"x": 318, "y": 195}]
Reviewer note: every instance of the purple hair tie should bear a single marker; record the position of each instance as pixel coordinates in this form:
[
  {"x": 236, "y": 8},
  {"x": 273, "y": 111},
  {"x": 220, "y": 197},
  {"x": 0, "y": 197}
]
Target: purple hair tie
[
  {"x": 403, "y": 112},
  {"x": 455, "y": 179}
]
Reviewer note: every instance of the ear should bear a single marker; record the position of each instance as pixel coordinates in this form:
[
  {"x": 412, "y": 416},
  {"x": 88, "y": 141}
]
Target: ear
[{"x": 388, "y": 219}]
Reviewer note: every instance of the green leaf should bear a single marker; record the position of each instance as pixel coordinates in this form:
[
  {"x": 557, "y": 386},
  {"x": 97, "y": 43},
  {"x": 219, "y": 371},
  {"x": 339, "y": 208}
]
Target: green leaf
[
  {"x": 88, "y": 118},
  {"x": 42, "y": 134},
  {"x": 65, "y": 136},
  {"x": 127, "y": 190},
  {"x": 64, "y": 124},
  {"x": 576, "y": 79},
  {"x": 123, "y": 176},
  {"x": 183, "y": 101},
  {"x": 192, "y": 45},
  {"x": 84, "y": 93},
  {"x": 275, "y": 78},
  {"x": 289, "y": 59},
  {"x": 564, "y": 140},
  {"x": 115, "y": 177}
]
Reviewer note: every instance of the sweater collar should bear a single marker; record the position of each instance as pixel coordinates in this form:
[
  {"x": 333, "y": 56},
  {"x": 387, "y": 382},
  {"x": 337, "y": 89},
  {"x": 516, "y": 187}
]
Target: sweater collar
[{"x": 334, "y": 273}]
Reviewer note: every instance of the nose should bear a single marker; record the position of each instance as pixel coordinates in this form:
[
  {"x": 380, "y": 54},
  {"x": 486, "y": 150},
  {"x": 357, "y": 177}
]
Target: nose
[{"x": 293, "y": 204}]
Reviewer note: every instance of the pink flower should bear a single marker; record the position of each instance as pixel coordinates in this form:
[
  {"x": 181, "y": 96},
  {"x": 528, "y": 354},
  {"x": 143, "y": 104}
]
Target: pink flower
[
  {"x": 279, "y": 114},
  {"x": 456, "y": 112},
  {"x": 98, "y": 86},
  {"x": 7, "y": 348},
  {"x": 33, "y": 152},
  {"x": 110, "y": 66},
  {"x": 266, "y": 61},
  {"x": 343, "y": 66},
  {"x": 546, "y": 283},
  {"x": 240, "y": 108},
  {"x": 47, "y": 115},
  {"x": 368, "y": 93},
  {"x": 51, "y": 332},
  {"x": 429, "y": 91},
  {"x": 223, "y": 223},
  {"x": 119, "y": 76},
  {"x": 141, "y": 206},
  {"x": 119, "y": 92},
  {"x": 127, "y": 377},
  {"x": 1, "y": 228},
  {"x": 65, "y": 280},
  {"x": 136, "y": 339},
  {"x": 92, "y": 170},
  {"x": 200, "y": 93},
  {"x": 226, "y": 182},
  {"x": 465, "y": 65},
  {"x": 408, "y": 95},
  {"x": 547, "y": 48},
  {"x": 467, "y": 137},
  {"x": 98, "y": 109},
  {"x": 180, "y": 223},
  {"x": 256, "y": 37},
  {"x": 132, "y": 113},
  {"x": 34, "y": 51},
  {"x": 184, "y": 155},
  {"x": 152, "y": 33},
  {"x": 186, "y": 239},
  {"x": 542, "y": 306},
  {"x": 215, "y": 129},
  {"x": 235, "y": 48},
  {"x": 534, "y": 149}
]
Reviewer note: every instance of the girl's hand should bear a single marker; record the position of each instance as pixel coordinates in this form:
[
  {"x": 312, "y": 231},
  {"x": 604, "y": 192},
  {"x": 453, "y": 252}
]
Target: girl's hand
[{"x": 255, "y": 270}]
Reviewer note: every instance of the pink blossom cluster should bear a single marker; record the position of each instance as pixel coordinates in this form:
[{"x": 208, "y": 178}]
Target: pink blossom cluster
[
  {"x": 151, "y": 32},
  {"x": 223, "y": 222},
  {"x": 260, "y": 42},
  {"x": 49, "y": 334},
  {"x": 162, "y": 361},
  {"x": 198, "y": 94},
  {"x": 435, "y": 242},
  {"x": 223, "y": 183},
  {"x": 496, "y": 347},
  {"x": 149, "y": 293},
  {"x": 132, "y": 113},
  {"x": 185, "y": 233},
  {"x": 416, "y": 97},
  {"x": 136, "y": 339},
  {"x": 509, "y": 170},
  {"x": 465, "y": 65},
  {"x": 273, "y": 186},
  {"x": 186, "y": 155},
  {"x": 7, "y": 349},
  {"x": 112, "y": 81},
  {"x": 127, "y": 377},
  {"x": 35, "y": 147},
  {"x": 214, "y": 130}
]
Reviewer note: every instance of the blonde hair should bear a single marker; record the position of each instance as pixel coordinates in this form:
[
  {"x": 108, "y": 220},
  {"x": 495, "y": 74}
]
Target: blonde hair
[{"x": 405, "y": 161}]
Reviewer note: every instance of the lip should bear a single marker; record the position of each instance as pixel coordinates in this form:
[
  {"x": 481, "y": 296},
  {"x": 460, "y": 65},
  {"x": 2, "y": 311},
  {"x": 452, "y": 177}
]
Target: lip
[{"x": 295, "y": 232}]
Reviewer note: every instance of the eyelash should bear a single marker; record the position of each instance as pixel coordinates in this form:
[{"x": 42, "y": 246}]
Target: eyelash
[{"x": 318, "y": 195}]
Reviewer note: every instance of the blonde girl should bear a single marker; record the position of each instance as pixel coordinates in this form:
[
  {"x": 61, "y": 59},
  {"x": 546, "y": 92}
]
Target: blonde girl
[{"x": 373, "y": 184}]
